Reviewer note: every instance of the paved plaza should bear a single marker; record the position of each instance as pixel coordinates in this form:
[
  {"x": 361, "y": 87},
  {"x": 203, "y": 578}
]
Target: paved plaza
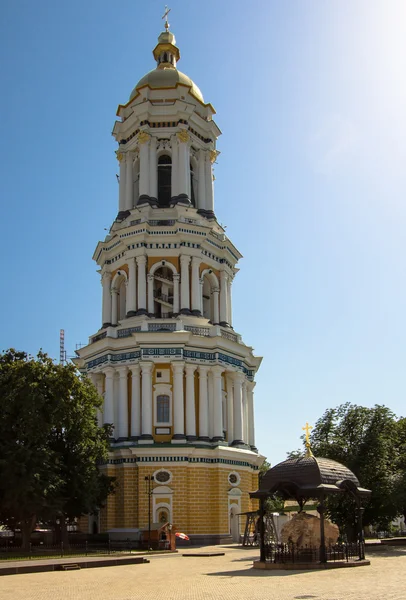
[{"x": 226, "y": 577}]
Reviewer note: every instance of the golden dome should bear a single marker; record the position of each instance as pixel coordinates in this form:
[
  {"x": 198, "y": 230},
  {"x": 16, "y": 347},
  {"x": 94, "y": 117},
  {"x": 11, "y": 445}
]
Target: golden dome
[{"x": 167, "y": 78}]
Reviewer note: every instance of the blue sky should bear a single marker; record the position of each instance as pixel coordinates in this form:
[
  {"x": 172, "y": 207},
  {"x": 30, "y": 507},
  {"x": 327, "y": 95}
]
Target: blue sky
[{"x": 311, "y": 181}]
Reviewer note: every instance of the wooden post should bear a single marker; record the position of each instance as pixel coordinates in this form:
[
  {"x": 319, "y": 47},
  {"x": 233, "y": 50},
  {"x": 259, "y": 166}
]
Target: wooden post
[
  {"x": 261, "y": 529},
  {"x": 320, "y": 510}
]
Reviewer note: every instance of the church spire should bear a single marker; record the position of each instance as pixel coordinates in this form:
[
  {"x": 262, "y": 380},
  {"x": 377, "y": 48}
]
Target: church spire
[{"x": 165, "y": 52}]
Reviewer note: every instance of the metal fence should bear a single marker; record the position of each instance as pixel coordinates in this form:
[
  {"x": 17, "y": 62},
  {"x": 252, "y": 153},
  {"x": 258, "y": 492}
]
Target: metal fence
[
  {"x": 11, "y": 549},
  {"x": 291, "y": 553}
]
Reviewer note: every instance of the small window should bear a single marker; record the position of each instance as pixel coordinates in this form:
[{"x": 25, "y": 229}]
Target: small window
[
  {"x": 162, "y": 409},
  {"x": 159, "y": 374}
]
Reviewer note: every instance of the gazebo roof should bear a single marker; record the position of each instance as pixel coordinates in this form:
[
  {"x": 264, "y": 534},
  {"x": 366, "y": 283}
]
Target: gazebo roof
[{"x": 308, "y": 477}]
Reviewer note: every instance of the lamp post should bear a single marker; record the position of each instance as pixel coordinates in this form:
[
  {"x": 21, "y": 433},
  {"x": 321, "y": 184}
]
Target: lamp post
[{"x": 149, "y": 490}]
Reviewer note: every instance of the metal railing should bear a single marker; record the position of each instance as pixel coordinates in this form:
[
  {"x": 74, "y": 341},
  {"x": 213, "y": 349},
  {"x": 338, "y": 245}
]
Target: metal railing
[
  {"x": 98, "y": 337},
  {"x": 291, "y": 553}
]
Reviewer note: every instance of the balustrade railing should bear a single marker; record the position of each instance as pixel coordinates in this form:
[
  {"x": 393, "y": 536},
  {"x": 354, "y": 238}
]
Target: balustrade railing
[
  {"x": 233, "y": 337},
  {"x": 98, "y": 337},
  {"x": 202, "y": 331}
]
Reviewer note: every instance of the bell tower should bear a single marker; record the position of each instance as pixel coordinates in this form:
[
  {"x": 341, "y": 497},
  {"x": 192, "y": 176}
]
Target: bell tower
[{"x": 177, "y": 381}]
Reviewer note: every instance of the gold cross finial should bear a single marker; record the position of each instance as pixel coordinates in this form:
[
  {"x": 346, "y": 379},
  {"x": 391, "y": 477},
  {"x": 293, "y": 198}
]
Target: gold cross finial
[
  {"x": 307, "y": 429},
  {"x": 165, "y": 16}
]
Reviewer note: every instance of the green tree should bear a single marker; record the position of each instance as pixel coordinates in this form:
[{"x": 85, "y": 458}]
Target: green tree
[
  {"x": 50, "y": 443},
  {"x": 363, "y": 439}
]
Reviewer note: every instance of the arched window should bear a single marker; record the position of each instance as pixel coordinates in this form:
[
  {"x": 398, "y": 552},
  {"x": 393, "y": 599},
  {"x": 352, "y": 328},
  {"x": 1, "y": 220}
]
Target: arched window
[
  {"x": 164, "y": 180},
  {"x": 162, "y": 408},
  {"x": 192, "y": 186}
]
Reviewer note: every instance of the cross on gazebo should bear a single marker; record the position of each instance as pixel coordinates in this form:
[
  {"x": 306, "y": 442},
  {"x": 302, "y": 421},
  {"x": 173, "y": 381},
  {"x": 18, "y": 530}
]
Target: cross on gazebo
[
  {"x": 307, "y": 429},
  {"x": 165, "y": 16}
]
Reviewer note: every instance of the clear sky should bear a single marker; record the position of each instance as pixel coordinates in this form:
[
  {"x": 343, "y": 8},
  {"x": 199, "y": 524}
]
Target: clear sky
[{"x": 311, "y": 182}]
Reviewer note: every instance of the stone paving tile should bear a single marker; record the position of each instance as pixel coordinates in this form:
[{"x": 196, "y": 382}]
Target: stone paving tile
[{"x": 206, "y": 578}]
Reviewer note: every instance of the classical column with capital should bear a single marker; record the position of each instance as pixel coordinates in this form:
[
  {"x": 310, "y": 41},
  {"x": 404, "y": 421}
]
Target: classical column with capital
[
  {"x": 144, "y": 187},
  {"x": 190, "y": 403},
  {"x": 176, "y": 278},
  {"x": 122, "y": 425},
  {"x": 229, "y": 307},
  {"x": 184, "y": 285},
  {"x": 216, "y": 315},
  {"x": 201, "y": 192},
  {"x": 135, "y": 427},
  {"x": 106, "y": 310},
  {"x": 129, "y": 176},
  {"x": 150, "y": 294},
  {"x": 153, "y": 170},
  {"x": 146, "y": 424},
  {"x": 108, "y": 416},
  {"x": 238, "y": 410},
  {"x": 251, "y": 424},
  {"x": 230, "y": 412},
  {"x": 122, "y": 181},
  {"x": 218, "y": 434},
  {"x": 142, "y": 286},
  {"x": 209, "y": 185},
  {"x": 114, "y": 306},
  {"x": 223, "y": 298},
  {"x": 131, "y": 302},
  {"x": 175, "y": 167},
  {"x": 183, "y": 166},
  {"x": 244, "y": 412},
  {"x": 178, "y": 402},
  {"x": 196, "y": 286},
  {"x": 203, "y": 404}
]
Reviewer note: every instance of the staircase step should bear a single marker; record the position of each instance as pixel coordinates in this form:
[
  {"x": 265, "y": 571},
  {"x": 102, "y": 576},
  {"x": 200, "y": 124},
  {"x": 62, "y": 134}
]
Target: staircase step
[{"x": 70, "y": 567}]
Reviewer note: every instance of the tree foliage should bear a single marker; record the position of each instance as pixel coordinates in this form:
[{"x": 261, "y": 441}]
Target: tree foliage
[
  {"x": 50, "y": 443},
  {"x": 371, "y": 442}
]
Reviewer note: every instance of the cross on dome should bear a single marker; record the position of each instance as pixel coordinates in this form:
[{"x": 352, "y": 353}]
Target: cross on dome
[
  {"x": 307, "y": 429},
  {"x": 165, "y": 16}
]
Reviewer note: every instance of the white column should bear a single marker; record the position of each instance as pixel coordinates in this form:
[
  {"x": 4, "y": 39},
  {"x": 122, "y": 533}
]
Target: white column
[
  {"x": 245, "y": 412},
  {"x": 150, "y": 294},
  {"x": 190, "y": 403},
  {"x": 195, "y": 285},
  {"x": 251, "y": 422},
  {"x": 114, "y": 306},
  {"x": 184, "y": 284},
  {"x": 123, "y": 172},
  {"x": 229, "y": 308},
  {"x": 217, "y": 404},
  {"x": 201, "y": 194},
  {"x": 153, "y": 169},
  {"x": 131, "y": 304},
  {"x": 106, "y": 310},
  {"x": 176, "y": 279},
  {"x": 178, "y": 402},
  {"x": 122, "y": 425},
  {"x": 129, "y": 182},
  {"x": 183, "y": 162},
  {"x": 238, "y": 415},
  {"x": 203, "y": 404},
  {"x": 146, "y": 424},
  {"x": 230, "y": 412},
  {"x": 201, "y": 295},
  {"x": 143, "y": 142},
  {"x": 216, "y": 314},
  {"x": 211, "y": 403},
  {"x": 209, "y": 185},
  {"x": 135, "y": 430},
  {"x": 175, "y": 165},
  {"x": 108, "y": 416},
  {"x": 142, "y": 287},
  {"x": 99, "y": 387},
  {"x": 223, "y": 297}
]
